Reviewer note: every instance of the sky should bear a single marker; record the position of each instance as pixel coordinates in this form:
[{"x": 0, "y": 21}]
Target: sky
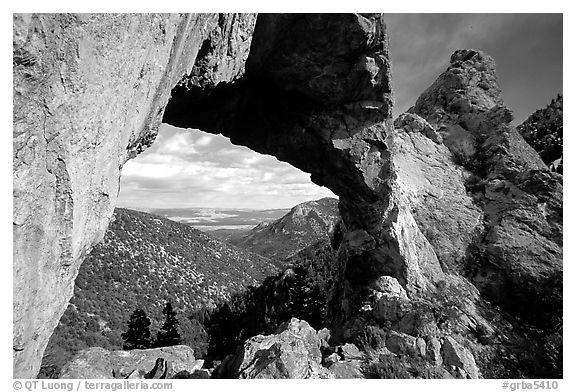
[
  {"x": 527, "y": 49},
  {"x": 189, "y": 168}
]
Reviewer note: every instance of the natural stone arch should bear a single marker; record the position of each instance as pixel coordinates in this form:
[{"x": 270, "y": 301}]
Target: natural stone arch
[{"x": 90, "y": 91}]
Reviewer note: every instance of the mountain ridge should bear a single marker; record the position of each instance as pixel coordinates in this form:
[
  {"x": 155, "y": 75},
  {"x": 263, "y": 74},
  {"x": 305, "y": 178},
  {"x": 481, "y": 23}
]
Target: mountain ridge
[{"x": 305, "y": 224}]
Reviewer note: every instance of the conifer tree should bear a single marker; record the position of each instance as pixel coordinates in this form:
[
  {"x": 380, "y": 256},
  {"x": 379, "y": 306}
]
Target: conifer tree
[
  {"x": 168, "y": 334},
  {"x": 138, "y": 334}
]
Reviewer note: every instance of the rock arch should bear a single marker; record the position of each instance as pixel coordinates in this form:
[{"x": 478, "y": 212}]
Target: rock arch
[{"x": 90, "y": 91}]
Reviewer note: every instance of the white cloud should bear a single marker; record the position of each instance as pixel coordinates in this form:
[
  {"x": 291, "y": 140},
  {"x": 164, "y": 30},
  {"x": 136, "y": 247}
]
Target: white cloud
[{"x": 189, "y": 168}]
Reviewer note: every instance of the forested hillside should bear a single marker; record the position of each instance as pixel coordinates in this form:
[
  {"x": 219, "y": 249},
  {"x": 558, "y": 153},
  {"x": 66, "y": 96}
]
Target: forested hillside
[{"x": 144, "y": 261}]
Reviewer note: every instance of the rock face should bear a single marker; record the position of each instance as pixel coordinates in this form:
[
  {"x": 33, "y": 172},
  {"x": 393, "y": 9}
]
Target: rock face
[
  {"x": 449, "y": 191},
  {"x": 89, "y": 93},
  {"x": 510, "y": 196},
  {"x": 293, "y": 352},
  {"x": 165, "y": 362},
  {"x": 544, "y": 131},
  {"x": 296, "y": 350}
]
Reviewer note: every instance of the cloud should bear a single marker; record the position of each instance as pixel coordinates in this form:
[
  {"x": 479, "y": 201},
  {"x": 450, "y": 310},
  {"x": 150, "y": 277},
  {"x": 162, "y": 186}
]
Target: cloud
[{"x": 190, "y": 168}]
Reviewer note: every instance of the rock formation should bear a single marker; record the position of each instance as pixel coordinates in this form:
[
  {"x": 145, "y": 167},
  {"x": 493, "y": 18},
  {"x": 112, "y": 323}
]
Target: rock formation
[
  {"x": 305, "y": 224},
  {"x": 516, "y": 259},
  {"x": 293, "y": 352},
  {"x": 481, "y": 220},
  {"x": 449, "y": 191},
  {"x": 165, "y": 362},
  {"x": 544, "y": 131}
]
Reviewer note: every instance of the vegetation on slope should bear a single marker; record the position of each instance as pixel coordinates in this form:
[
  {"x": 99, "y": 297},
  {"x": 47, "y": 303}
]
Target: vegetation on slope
[
  {"x": 543, "y": 130},
  {"x": 143, "y": 262}
]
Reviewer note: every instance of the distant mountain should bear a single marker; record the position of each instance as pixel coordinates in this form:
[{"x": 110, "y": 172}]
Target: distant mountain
[
  {"x": 209, "y": 219},
  {"x": 304, "y": 225},
  {"x": 544, "y": 131},
  {"x": 143, "y": 261}
]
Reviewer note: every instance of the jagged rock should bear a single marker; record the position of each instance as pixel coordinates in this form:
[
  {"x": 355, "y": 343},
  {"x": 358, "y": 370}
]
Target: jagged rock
[
  {"x": 410, "y": 122},
  {"x": 433, "y": 186},
  {"x": 390, "y": 308},
  {"x": 324, "y": 336},
  {"x": 454, "y": 354},
  {"x": 433, "y": 353},
  {"x": 163, "y": 362},
  {"x": 293, "y": 352},
  {"x": 388, "y": 285}
]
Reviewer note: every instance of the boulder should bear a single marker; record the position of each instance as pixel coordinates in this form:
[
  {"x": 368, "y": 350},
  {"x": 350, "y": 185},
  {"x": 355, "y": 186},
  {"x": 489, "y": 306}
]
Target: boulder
[
  {"x": 454, "y": 354},
  {"x": 389, "y": 309},
  {"x": 389, "y": 286},
  {"x": 163, "y": 362},
  {"x": 331, "y": 359},
  {"x": 433, "y": 352},
  {"x": 324, "y": 336},
  {"x": 293, "y": 352}
]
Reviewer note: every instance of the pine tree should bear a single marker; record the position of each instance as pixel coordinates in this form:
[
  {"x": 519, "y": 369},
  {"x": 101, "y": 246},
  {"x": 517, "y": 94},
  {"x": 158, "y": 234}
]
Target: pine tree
[
  {"x": 168, "y": 334},
  {"x": 138, "y": 334}
]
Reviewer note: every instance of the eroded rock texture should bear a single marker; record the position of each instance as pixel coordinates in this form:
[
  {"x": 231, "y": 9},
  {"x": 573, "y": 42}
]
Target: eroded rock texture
[
  {"x": 89, "y": 93},
  {"x": 516, "y": 261}
]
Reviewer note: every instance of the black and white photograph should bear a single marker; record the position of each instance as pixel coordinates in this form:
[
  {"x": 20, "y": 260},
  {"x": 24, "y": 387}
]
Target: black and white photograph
[{"x": 287, "y": 195}]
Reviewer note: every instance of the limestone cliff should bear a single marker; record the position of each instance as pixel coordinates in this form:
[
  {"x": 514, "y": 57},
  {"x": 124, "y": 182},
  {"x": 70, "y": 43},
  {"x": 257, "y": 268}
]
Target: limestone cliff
[{"x": 89, "y": 93}]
